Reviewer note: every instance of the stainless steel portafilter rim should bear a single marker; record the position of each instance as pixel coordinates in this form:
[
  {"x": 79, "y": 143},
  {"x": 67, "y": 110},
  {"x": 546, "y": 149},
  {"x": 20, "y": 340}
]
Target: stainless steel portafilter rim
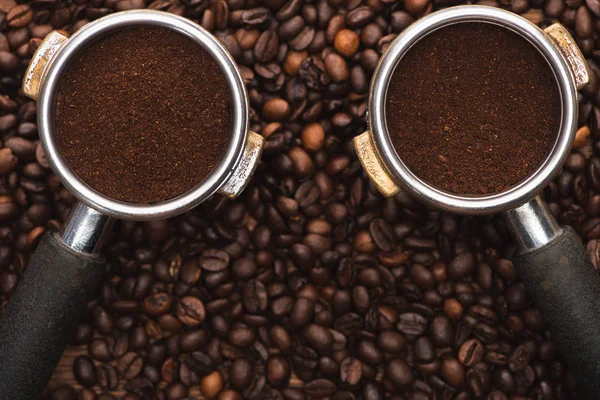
[
  {"x": 514, "y": 196},
  {"x": 47, "y": 100}
]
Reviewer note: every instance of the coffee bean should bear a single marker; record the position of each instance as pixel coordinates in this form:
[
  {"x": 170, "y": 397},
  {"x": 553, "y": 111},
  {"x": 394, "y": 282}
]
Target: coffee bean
[
  {"x": 211, "y": 385},
  {"x": 241, "y": 337},
  {"x": 130, "y": 365},
  {"x": 452, "y": 372},
  {"x": 412, "y": 324},
  {"x": 368, "y": 352},
  {"x": 424, "y": 350},
  {"x": 470, "y": 353},
  {"x": 200, "y": 363},
  {"x": 84, "y": 371},
  {"x": 100, "y": 350},
  {"x": 318, "y": 337},
  {"x": 462, "y": 265},
  {"x": 19, "y": 16},
  {"x": 346, "y": 42},
  {"x": 255, "y": 298},
  {"x": 302, "y": 312},
  {"x": 107, "y": 377},
  {"x": 281, "y": 339},
  {"x": 584, "y": 23},
  {"x": 214, "y": 260},
  {"x": 350, "y": 371},
  {"x": 266, "y": 47},
  {"x": 240, "y": 373},
  {"x": 277, "y": 371},
  {"x": 359, "y": 17},
  {"x": 7, "y": 161},
  {"x": 391, "y": 342},
  {"x": 399, "y": 373},
  {"x": 382, "y": 235},
  {"x": 190, "y": 311},
  {"x": 193, "y": 340},
  {"x": 157, "y": 304},
  {"x": 336, "y": 67},
  {"x": 320, "y": 388},
  {"x": 442, "y": 331},
  {"x": 229, "y": 394},
  {"x": 169, "y": 370},
  {"x": 176, "y": 390},
  {"x": 519, "y": 358}
]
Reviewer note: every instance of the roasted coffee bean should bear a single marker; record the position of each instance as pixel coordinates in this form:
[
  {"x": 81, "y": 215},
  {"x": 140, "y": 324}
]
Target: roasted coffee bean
[
  {"x": 211, "y": 385},
  {"x": 19, "y": 16},
  {"x": 350, "y": 371},
  {"x": 277, "y": 371},
  {"x": 190, "y": 311},
  {"x": 130, "y": 365},
  {"x": 318, "y": 337},
  {"x": 157, "y": 304},
  {"x": 424, "y": 350},
  {"x": 442, "y": 331},
  {"x": 470, "y": 353},
  {"x": 108, "y": 378},
  {"x": 214, "y": 260},
  {"x": 241, "y": 337},
  {"x": 368, "y": 352},
  {"x": 382, "y": 235},
  {"x": 391, "y": 342},
  {"x": 320, "y": 388},
  {"x": 519, "y": 358},
  {"x": 399, "y": 373},
  {"x": 452, "y": 372},
  {"x": 84, "y": 371},
  {"x": 191, "y": 341},
  {"x": 255, "y": 297},
  {"x": 100, "y": 350},
  {"x": 412, "y": 324}
]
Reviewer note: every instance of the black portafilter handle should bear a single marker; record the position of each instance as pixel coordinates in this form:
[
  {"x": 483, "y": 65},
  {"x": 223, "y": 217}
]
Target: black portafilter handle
[
  {"x": 565, "y": 287},
  {"x": 45, "y": 308},
  {"x": 42, "y": 314}
]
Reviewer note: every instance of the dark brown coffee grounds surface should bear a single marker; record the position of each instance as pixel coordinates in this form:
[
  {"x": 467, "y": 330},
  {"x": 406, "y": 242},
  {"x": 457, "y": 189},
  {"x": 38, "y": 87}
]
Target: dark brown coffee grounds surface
[
  {"x": 143, "y": 115},
  {"x": 473, "y": 108}
]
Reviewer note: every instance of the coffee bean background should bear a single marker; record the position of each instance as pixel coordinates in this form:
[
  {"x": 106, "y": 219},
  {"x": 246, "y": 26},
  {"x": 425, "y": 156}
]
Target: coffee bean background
[{"x": 310, "y": 285}]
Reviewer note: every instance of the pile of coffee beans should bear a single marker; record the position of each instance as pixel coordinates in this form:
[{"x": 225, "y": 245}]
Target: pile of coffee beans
[{"x": 311, "y": 285}]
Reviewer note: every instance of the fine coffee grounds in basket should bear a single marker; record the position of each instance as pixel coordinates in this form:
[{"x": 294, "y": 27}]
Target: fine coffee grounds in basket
[
  {"x": 473, "y": 108},
  {"x": 143, "y": 115}
]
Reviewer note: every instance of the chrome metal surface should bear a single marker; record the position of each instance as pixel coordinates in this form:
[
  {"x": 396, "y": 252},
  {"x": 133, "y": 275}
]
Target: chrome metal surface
[
  {"x": 522, "y": 192},
  {"x": 241, "y": 176},
  {"x": 532, "y": 225},
  {"x": 86, "y": 229},
  {"x": 110, "y": 24}
]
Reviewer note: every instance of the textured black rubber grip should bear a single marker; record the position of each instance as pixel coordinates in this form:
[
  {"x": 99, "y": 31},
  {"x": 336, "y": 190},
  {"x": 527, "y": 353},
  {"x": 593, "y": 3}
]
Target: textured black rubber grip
[
  {"x": 565, "y": 288},
  {"x": 41, "y": 316}
]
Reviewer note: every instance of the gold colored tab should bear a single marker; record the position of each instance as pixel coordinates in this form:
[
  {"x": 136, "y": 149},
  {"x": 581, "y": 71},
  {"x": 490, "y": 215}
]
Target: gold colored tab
[
  {"x": 34, "y": 75},
  {"x": 567, "y": 46},
  {"x": 367, "y": 154}
]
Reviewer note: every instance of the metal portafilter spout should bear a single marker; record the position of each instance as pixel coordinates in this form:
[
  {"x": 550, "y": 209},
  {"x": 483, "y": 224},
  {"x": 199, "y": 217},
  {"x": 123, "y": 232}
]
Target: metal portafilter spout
[
  {"x": 67, "y": 267},
  {"x": 551, "y": 261}
]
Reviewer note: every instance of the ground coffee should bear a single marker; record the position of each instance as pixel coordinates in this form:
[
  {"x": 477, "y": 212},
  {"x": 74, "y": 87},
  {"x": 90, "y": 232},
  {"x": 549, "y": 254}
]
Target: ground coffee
[
  {"x": 473, "y": 108},
  {"x": 143, "y": 115}
]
